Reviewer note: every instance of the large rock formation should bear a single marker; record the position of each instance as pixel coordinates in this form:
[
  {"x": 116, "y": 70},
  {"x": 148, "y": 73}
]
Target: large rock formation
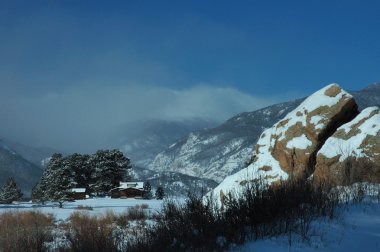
[
  {"x": 288, "y": 148},
  {"x": 352, "y": 154},
  {"x": 295, "y": 140}
]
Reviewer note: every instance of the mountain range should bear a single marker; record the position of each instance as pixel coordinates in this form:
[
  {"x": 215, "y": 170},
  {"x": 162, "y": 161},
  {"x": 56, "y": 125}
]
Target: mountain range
[
  {"x": 176, "y": 153},
  {"x": 143, "y": 140},
  {"x": 14, "y": 165}
]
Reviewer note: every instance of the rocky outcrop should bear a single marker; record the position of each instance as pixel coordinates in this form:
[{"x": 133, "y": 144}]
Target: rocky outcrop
[
  {"x": 352, "y": 153},
  {"x": 289, "y": 147},
  {"x": 295, "y": 140}
]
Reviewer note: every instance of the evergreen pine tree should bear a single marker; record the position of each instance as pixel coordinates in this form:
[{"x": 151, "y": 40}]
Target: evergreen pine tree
[
  {"x": 147, "y": 190},
  {"x": 160, "y": 194},
  {"x": 38, "y": 193},
  {"x": 10, "y": 192},
  {"x": 99, "y": 172},
  {"x": 60, "y": 180},
  {"x": 109, "y": 168},
  {"x": 80, "y": 168},
  {"x": 55, "y": 182}
]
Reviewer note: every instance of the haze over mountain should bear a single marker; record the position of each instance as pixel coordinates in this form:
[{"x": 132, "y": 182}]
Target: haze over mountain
[
  {"x": 14, "y": 165},
  {"x": 33, "y": 154},
  {"x": 85, "y": 119},
  {"x": 143, "y": 140}
]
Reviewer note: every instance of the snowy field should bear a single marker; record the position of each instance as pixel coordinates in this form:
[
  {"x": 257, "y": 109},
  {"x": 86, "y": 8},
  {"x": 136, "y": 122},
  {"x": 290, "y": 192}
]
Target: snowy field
[
  {"x": 99, "y": 206},
  {"x": 358, "y": 229}
]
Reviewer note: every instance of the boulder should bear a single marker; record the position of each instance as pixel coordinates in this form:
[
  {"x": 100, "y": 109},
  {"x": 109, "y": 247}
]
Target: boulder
[
  {"x": 352, "y": 153},
  {"x": 288, "y": 149},
  {"x": 295, "y": 140}
]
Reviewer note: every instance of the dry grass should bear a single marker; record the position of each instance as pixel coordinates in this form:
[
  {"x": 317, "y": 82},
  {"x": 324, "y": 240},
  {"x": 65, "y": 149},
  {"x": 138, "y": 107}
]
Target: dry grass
[
  {"x": 94, "y": 233},
  {"x": 24, "y": 231}
]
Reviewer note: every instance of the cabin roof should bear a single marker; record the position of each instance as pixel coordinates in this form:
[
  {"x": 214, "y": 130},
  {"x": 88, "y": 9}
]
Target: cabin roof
[
  {"x": 126, "y": 185},
  {"x": 78, "y": 190},
  {"x": 137, "y": 185}
]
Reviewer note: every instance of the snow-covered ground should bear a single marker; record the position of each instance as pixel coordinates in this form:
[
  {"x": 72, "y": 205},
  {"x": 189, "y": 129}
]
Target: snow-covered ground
[
  {"x": 99, "y": 206},
  {"x": 358, "y": 229}
]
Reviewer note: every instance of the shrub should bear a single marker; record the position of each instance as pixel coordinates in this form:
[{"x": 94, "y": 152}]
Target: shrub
[
  {"x": 286, "y": 209},
  {"x": 138, "y": 212},
  {"x": 25, "y": 231},
  {"x": 92, "y": 233},
  {"x": 82, "y": 207},
  {"x": 144, "y": 206},
  {"x": 200, "y": 226}
]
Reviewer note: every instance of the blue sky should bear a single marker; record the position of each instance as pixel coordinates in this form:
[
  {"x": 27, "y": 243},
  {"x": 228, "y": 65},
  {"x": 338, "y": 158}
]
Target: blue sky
[{"x": 264, "y": 51}]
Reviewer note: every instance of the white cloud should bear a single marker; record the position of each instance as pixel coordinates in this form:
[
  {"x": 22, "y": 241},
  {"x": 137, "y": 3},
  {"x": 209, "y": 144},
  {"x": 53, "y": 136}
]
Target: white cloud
[{"x": 83, "y": 118}]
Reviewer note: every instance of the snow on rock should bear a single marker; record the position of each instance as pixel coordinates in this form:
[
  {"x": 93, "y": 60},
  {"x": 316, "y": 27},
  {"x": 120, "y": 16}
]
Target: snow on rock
[
  {"x": 352, "y": 153},
  {"x": 349, "y": 138},
  {"x": 295, "y": 139},
  {"x": 301, "y": 142},
  {"x": 289, "y": 146}
]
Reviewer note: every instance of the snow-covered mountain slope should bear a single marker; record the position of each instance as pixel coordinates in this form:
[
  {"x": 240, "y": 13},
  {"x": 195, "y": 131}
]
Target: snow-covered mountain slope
[
  {"x": 367, "y": 97},
  {"x": 218, "y": 152},
  {"x": 174, "y": 183},
  {"x": 142, "y": 141},
  {"x": 13, "y": 165},
  {"x": 36, "y": 155}
]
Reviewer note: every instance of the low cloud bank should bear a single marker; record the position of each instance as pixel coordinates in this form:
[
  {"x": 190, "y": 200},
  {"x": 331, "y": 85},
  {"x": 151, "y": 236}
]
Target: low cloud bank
[{"x": 84, "y": 118}]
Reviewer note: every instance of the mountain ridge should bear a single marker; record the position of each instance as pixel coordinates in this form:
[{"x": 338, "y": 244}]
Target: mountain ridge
[{"x": 25, "y": 173}]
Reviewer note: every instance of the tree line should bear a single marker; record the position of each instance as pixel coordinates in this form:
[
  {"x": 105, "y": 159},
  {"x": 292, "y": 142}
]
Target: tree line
[
  {"x": 159, "y": 193},
  {"x": 98, "y": 173}
]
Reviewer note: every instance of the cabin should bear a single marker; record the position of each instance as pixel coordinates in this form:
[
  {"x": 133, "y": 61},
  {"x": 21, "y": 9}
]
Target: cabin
[
  {"x": 78, "y": 193},
  {"x": 128, "y": 190}
]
